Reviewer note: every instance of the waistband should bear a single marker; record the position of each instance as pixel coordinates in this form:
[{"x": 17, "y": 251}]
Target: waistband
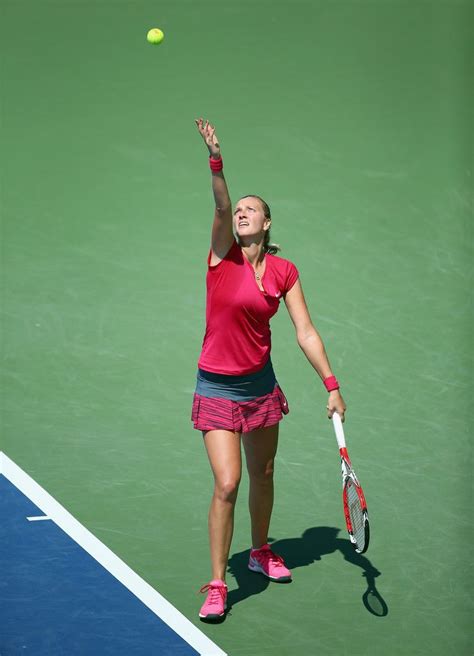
[{"x": 236, "y": 388}]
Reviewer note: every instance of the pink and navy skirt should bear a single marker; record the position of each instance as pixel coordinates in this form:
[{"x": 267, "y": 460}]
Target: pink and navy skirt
[{"x": 238, "y": 403}]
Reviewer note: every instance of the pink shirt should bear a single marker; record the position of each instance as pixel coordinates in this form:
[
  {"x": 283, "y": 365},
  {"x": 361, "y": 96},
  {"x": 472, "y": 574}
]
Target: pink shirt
[{"x": 238, "y": 337}]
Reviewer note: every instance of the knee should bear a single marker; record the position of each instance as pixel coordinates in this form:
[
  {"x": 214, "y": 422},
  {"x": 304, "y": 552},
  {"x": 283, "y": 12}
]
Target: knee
[
  {"x": 263, "y": 474},
  {"x": 226, "y": 490}
]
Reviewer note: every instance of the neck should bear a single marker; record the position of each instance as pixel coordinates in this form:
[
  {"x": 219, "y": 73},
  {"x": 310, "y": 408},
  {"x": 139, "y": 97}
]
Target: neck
[{"x": 253, "y": 252}]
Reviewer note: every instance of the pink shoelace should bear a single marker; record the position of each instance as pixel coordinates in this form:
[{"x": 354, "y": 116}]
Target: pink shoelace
[
  {"x": 216, "y": 593},
  {"x": 267, "y": 555}
]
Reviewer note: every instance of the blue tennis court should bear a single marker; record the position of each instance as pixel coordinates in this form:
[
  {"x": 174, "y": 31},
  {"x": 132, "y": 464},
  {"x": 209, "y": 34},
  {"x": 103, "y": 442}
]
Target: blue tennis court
[{"x": 57, "y": 598}]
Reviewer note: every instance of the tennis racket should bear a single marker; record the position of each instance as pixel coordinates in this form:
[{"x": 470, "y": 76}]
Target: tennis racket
[{"x": 355, "y": 507}]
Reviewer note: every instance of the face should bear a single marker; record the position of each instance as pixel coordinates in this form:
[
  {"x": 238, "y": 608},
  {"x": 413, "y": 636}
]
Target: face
[{"x": 249, "y": 218}]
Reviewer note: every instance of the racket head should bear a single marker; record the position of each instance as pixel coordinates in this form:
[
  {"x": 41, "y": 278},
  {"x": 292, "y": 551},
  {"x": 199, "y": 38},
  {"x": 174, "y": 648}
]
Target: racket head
[{"x": 356, "y": 515}]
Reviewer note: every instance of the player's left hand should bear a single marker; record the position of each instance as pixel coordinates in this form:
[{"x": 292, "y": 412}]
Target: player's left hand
[{"x": 336, "y": 404}]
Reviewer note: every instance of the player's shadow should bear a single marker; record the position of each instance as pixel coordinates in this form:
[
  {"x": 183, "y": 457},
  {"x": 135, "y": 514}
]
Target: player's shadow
[{"x": 315, "y": 543}]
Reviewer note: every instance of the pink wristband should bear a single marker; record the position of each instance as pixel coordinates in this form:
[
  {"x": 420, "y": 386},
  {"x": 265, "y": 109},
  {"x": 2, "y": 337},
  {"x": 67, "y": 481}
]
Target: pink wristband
[
  {"x": 331, "y": 384},
  {"x": 216, "y": 164}
]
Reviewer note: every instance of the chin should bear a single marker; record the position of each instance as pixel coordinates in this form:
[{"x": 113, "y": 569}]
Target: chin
[{"x": 245, "y": 233}]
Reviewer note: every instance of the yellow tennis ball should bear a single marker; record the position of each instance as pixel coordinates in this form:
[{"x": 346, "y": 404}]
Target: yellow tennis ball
[{"x": 155, "y": 36}]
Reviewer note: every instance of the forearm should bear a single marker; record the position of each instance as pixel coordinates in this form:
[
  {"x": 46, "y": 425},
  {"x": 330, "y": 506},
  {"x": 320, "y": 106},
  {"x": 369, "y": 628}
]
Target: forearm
[
  {"x": 220, "y": 191},
  {"x": 312, "y": 346}
]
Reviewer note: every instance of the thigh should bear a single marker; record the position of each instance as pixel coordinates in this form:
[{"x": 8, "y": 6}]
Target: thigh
[
  {"x": 223, "y": 450},
  {"x": 260, "y": 449}
]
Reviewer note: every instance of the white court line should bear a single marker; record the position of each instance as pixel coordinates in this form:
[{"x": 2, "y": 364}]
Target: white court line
[
  {"x": 37, "y": 519},
  {"x": 103, "y": 555}
]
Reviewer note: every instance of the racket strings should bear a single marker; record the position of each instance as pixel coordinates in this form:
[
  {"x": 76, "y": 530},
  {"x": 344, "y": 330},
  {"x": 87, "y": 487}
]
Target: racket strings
[{"x": 356, "y": 514}]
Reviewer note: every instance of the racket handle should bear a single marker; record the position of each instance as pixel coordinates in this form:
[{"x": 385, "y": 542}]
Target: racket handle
[{"x": 337, "y": 423}]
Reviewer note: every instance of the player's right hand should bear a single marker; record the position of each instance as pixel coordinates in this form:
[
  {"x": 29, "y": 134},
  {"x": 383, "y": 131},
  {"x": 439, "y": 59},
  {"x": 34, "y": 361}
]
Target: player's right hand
[{"x": 208, "y": 133}]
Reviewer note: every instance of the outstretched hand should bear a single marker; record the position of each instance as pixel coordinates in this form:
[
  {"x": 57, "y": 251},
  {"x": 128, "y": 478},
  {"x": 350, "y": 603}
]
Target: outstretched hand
[{"x": 208, "y": 133}]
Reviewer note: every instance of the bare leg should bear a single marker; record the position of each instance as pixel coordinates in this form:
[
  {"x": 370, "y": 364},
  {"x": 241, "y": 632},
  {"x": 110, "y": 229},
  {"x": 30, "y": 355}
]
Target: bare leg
[
  {"x": 260, "y": 450},
  {"x": 223, "y": 450}
]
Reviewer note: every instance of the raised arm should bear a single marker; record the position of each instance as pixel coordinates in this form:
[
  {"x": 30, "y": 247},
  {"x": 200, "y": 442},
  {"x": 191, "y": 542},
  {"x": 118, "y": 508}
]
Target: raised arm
[
  {"x": 311, "y": 344},
  {"x": 222, "y": 234}
]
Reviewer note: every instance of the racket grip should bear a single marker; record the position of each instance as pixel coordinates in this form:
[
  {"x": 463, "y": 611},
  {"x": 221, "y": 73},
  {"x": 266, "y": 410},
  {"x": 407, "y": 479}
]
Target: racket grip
[{"x": 337, "y": 423}]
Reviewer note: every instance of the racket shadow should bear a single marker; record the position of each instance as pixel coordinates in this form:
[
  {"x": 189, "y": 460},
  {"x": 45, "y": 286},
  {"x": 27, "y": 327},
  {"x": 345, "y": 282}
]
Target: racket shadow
[{"x": 303, "y": 551}]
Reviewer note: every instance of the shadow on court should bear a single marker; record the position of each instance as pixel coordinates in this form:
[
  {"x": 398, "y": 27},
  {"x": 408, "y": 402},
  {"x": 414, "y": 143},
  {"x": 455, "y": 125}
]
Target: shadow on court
[{"x": 315, "y": 543}]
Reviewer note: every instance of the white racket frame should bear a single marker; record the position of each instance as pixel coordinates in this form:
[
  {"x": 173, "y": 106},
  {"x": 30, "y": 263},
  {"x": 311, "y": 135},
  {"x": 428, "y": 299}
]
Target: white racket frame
[
  {"x": 346, "y": 468},
  {"x": 341, "y": 443}
]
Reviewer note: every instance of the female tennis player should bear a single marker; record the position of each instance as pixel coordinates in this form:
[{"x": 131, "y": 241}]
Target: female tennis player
[{"x": 237, "y": 396}]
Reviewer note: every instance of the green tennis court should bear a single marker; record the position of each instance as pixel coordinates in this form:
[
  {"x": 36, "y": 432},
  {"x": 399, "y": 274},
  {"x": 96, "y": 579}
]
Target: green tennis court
[{"x": 354, "y": 120}]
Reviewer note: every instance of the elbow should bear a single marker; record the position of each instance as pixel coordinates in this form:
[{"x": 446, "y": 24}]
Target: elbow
[
  {"x": 306, "y": 337},
  {"x": 223, "y": 208}
]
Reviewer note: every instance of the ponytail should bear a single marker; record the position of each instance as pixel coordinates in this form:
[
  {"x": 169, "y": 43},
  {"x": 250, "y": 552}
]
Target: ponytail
[{"x": 268, "y": 247}]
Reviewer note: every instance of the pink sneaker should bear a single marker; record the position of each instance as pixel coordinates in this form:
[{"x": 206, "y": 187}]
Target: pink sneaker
[
  {"x": 266, "y": 562},
  {"x": 215, "y": 605}
]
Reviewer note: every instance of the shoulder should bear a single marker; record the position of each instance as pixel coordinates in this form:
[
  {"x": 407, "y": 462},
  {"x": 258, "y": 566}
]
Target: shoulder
[
  {"x": 280, "y": 263},
  {"x": 284, "y": 271},
  {"x": 234, "y": 254}
]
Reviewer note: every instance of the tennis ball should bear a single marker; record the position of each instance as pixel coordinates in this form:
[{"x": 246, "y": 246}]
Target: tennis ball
[{"x": 155, "y": 36}]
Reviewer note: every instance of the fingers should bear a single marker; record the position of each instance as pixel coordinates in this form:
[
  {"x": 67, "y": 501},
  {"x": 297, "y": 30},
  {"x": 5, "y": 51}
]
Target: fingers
[
  {"x": 205, "y": 128},
  {"x": 208, "y": 133},
  {"x": 200, "y": 127},
  {"x": 340, "y": 409}
]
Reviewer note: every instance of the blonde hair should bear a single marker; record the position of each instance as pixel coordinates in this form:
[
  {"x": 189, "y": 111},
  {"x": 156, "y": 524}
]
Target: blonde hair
[{"x": 268, "y": 246}]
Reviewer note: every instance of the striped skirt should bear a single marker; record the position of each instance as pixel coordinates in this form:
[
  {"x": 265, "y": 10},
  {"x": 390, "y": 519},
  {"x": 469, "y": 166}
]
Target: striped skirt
[{"x": 238, "y": 403}]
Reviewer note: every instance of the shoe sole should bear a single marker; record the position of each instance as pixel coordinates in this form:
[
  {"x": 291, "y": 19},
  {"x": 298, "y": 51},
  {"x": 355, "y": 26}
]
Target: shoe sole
[
  {"x": 260, "y": 570},
  {"x": 213, "y": 617}
]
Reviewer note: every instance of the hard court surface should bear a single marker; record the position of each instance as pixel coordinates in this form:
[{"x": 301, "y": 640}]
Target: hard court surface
[{"x": 353, "y": 119}]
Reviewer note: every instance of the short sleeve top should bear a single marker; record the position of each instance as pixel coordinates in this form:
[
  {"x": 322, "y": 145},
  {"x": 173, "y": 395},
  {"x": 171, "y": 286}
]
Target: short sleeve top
[{"x": 237, "y": 340}]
